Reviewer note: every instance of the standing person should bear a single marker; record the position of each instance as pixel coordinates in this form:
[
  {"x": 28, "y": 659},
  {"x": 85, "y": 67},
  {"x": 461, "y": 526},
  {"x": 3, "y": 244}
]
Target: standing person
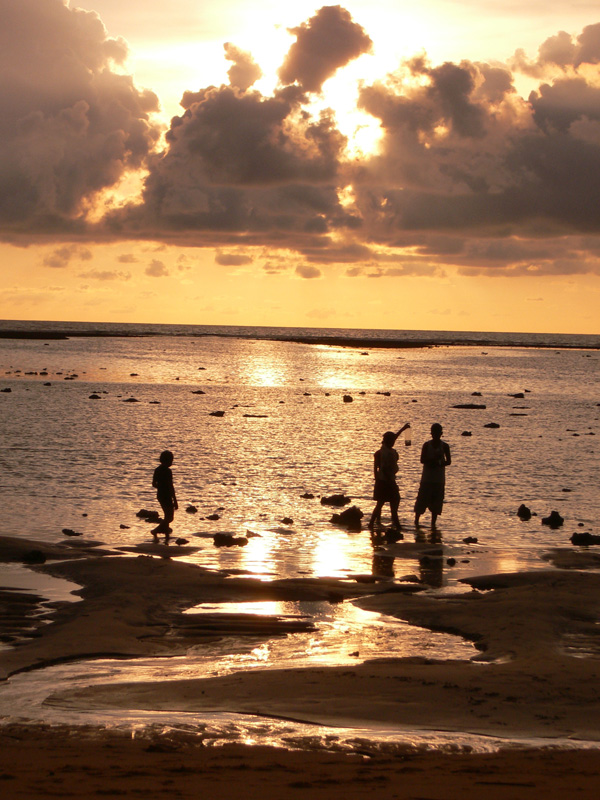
[
  {"x": 162, "y": 480},
  {"x": 435, "y": 457},
  {"x": 385, "y": 467}
]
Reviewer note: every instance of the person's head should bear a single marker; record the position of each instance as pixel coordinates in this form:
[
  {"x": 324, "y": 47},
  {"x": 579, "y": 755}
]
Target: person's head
[
  {"x": 436, "y": 430},
  {"x": 388, "y": 439},
  {"x": 166, "y": 458}
]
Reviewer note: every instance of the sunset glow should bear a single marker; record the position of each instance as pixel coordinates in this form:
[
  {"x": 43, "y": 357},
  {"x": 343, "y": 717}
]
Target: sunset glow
[{"x": 355, "y": 165}]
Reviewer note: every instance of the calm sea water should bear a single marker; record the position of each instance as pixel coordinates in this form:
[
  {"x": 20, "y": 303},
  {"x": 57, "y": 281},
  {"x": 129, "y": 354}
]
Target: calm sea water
[{"x": 68, "y": 461}]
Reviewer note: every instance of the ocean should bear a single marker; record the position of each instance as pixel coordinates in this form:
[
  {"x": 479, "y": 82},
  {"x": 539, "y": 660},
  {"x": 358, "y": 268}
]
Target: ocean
[{"x": 86, "y": 408}]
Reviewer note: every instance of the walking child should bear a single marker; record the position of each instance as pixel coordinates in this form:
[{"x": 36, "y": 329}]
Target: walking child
[{"x": 162, "y": 480}]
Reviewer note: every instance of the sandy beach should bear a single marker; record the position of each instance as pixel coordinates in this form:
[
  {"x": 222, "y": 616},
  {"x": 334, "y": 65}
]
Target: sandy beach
[{"x": 536, "y": 676}]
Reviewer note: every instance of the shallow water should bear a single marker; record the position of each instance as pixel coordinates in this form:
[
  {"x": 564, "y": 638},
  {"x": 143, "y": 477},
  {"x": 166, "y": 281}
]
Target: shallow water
[{"x": 72, "y": 462}]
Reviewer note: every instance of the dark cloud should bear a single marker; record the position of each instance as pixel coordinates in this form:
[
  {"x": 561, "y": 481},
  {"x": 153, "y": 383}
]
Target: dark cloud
[
  {"x": 232, "y": 259},
  {"x": 308, "y": 271},
  {"x": 70, "y": 125},
  {"x": 468, "y": 174},
  {"x": 105, "y": 275},
  {"x": 328, "y": 41},
  {"x": 127, "y": 258},
  {"x": 245, "y": 71},
  {"x": 156, "y": 269},
  {"x": 61, "y": 257}
]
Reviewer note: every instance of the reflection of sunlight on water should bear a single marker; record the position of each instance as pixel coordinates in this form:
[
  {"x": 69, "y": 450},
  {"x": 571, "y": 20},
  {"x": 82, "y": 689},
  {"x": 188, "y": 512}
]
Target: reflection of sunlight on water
[{"x": 328, "y": 556}]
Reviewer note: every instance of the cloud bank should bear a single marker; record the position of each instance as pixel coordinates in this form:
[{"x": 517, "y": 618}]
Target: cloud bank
[{"x": 468, "y": 173}]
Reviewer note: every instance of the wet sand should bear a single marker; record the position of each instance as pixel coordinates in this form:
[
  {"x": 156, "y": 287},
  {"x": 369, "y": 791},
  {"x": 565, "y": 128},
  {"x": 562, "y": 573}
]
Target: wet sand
[{"x": 537, "y": 676}]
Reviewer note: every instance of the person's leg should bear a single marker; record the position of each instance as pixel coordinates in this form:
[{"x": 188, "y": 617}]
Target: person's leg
[
  {"x": 376, "y": 515},
  {"x": 433, "y": 520},
  {"x": 394, "y": 504}
]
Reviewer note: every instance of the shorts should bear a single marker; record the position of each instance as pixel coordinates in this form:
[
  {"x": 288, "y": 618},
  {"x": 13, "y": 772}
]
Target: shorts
[
  {"x": 386, "y": 492},
  {"x": 430, "y": 496}
]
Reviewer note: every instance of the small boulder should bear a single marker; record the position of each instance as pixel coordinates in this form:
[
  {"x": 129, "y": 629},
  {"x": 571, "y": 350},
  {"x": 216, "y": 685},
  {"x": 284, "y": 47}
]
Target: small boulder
[
  {"x": 350, "y": 518},
  {"x": 229, "y": 540},
  {"x": 348, "y": 398},
  {"x": 69, "y": 532},
  {"x": 216, "y": 414},
  {"x": 585, "y": 539},
  {"x": 148, "y": 515},
  {"x": 94, "y": 397},
  {"x": 307, "y": 496},
  {"x": 491, "y": 425},
  {"x": 523, "y": 512},
  {"x": 466, "y": 433},
  {"x": 213, "y": 517},
  {"x": 473, "y": 406},
  {"x": 180, "y": 541},
  {"x": 191, "y": 510},
  {"x": 470, "y": 540},
  {"x": 336, "y": 500},
  {"x": 287, "y": 521},
  {"x": 554, "y": 520}
]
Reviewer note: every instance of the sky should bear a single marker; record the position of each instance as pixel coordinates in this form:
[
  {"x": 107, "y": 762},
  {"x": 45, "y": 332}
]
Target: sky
[{"x": 375, "y": 164}]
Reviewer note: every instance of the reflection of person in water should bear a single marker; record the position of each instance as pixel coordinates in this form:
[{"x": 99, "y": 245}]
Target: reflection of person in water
[
  {"x": 385, "y": 467},
  {"x": 162, "y": 480},
  {"x": 435, "y": 457}
]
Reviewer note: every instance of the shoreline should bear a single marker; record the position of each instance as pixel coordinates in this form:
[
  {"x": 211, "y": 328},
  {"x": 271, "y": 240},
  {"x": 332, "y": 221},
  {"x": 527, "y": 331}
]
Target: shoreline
[
  {"x": 328, "y": 341},
  {"x": 526, "y": 684}
]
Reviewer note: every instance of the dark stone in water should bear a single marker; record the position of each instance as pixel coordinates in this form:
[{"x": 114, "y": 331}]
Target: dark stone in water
[
  {"x": 585, "y": 539},
  {"x": 181, "y": 541},
  {"x": 554, "y": 520},
  {"x": 217, "y": 414},
  {"x": 191, "y": 510},
  {"x": 198, "y": 391},
  {"x": 287, "y": 521},
  {"x": 451, "y": 562},
  {"x": 213, "y": 517},
  {"x": 474, "y": 406},
  {"x": 6, "y": 391},
  {"x": 307, "y": 496},
  {"x": 523, "y": 512},
  {"x": 124, "y": 527},
  {"x": 350, "y": 518},
  {"x": 229, "y": 540},
  {"x": 149, "y": 516},
  {"x": 491, "y": 425},
  {"x": 335, "y": 500},
  {"x": 518, "y": 395},
  {"x": 69, "y": 532},
  {"x": 471, "y": 540},
  {"x": 94, "y": 397},
  {"x": 348, "y": 398},
  {"x": 466, "y": 433},
  {"x": 131, "y": 400}
]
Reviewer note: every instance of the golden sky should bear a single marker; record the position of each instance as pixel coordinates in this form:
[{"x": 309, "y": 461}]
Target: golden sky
[{"x": 369, "y": 164}]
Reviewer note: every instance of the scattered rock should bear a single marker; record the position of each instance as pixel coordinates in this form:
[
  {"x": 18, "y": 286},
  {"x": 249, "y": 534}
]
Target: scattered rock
[
  {"x": 213, "y": 517},
  {"x": 451, "y": 562},
  {"x": 523, "y": 512},
  {"x": 470, "y": 405},
  {"x": 217, "y": 414},
  {"x": 34, "y": 557},
  {"x": 229, "y": 540},
  {"x": 130, "y": 400},
  {"x": 191, "y": 510},
  {"x": 491, "y": 425},
  {"x": 149, "y": 516},
  {"x": 124, "y": 527},
  {"x": 471, "y": 540},
  {"x": 256, "y": 416},
  {"x": 69, "y": 532},
  {"x": 198, "y": 391},
  {"x": 287, "y": 521},
  {"x": 554, "y": 520},
  {"x": 181, "y": 541},
  {"x": 307, "y": 496},
  {"x": 133, "y": 375},
  {"x": 94, "y": 397},
  {"x": 336, "y": 500},
  {"x": 350, "y": 518},
  {"x": 6, "y": 391},
  {"x": 476, "y": 394},
  {"x": 585, "y": 539},
  {"x": 466, "y": 433},
  {"x": 348, "y": 398},
  {"x": 385, "y": 394},
  {"x": 518, "y": 395}
]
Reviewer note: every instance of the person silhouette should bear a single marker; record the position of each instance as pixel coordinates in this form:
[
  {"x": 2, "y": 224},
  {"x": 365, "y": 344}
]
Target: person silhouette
[
  {"x": 385, "y": 467},
  {"x": 435, "y": 457},
  {"x": 162, "y": 480}
]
